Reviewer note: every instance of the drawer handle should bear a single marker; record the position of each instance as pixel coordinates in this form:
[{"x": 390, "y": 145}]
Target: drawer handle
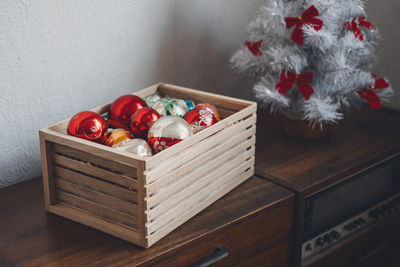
[{"x": 219, "y": 253}]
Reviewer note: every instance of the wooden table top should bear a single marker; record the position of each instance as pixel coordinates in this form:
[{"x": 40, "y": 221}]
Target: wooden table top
[
  {"x": 307, "y": 166},
  {"x": 30, "y": 236}
]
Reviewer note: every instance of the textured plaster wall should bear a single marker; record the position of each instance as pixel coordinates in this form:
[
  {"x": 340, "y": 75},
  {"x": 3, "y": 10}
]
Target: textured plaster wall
[
  {"x": 60, "y": 57},
  {"x": 210, "y": 31}
]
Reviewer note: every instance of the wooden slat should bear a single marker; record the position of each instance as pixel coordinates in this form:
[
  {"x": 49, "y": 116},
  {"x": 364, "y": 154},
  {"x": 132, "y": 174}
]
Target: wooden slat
[
  {"x": 205, "y": 97},
  {"x": 101, "y": 161},
  {"x": 177, "y": 160},
  {"x": 233, "y": 145},
  {"x": 181, "y": 146},
  {"x": 141, "y": 206},
  {"x": 121, "y": 231},
  {"x": 47, "y": 170},
  {"x": 96, "y": 184},
  {"x": 198, "y": 208},
  {"x": 97, "y": 209},
  {"x": 199, "y": 194},
  {"x": 172, "y": 196},
  {"x": 92, "y": 148},
  {"x": 98, "y": 197},
  {"x": 212, "y": 165},
  {"x": 147, "y": 91},
  {"x": 95, "y": 171}
]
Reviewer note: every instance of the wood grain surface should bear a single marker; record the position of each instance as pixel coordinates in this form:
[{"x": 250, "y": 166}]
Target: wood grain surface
[
  {"x": 307, "y": 166},
  {"x": 255, "y": 222}
]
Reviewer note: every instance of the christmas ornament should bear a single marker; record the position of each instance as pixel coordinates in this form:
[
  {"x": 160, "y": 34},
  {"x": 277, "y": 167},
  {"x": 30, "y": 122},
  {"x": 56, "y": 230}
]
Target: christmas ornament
[
  {"x": 167, "y": 131},
  {"x": 115, "y": 124},
  {"x": 142, "y": 120},
  {"x": 288, "y": 79},
  {"x": 355, "y": 24},
  {"x": 88, "y": 125},
  {"x": 211, "y": 108},
  {"x": 189, "y": 103},
  {"x": 116, "y": 136},
  {"x": 135, "y": 146},
  {"x": 151, "y": 100},
  {"x": 169, "y": 106},
  {"x": 369, "y": 94},
  {"x": 199, "y": 119},
  {"x": 255, "y": 47},
  {"x": 307, "y": 18},
  {"x": 123, "y": 108}
]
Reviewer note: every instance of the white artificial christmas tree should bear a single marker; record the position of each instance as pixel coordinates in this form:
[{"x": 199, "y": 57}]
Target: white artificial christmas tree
[{"x": 312, "y": 59}]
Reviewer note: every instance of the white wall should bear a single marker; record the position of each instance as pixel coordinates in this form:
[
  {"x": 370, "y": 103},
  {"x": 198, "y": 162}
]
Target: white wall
[{"x": 58, "y": 57}]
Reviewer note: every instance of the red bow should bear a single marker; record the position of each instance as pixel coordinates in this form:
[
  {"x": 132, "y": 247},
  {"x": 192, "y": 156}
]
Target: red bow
[
  {"x": 369, "y": 94},
  {"x": 308, "y": 18},
  {"x": 355, "y": 24},
  {"x": 255, "y": 47},
  {"x": 289, "y": 78}
]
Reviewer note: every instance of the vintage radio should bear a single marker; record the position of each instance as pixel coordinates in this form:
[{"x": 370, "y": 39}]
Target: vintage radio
[
  {"x": 347, "y": 185},
  {"x": 345, "y": 208}
]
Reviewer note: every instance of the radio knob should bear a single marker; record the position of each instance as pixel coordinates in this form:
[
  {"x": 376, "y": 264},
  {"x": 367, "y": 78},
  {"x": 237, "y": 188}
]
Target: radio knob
[
  {"x": 328, "y": 238},
  {"x": 347, "y": 227},
  {"x": 320, "y": 242},
  {"x": 362, "y": 220},
  {"x": 335, "y": 234},
  {"x": 308, "y": 247},
  {"x": 353, "y": 225}
]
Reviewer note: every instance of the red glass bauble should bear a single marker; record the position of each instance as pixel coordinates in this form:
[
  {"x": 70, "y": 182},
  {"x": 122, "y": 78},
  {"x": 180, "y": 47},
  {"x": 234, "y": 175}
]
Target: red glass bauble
[
  {"x": 88, "y": 125},
  {"x": 123, "y": 108},
  {"x": 142, "y": 120},
  {"x": 211, "y": 108},
  {"x": 199, "y": 119}
]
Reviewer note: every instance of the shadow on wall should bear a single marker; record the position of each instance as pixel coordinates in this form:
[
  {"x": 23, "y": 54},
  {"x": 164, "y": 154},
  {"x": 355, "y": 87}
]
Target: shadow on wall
[{"x": 208, "y": 33}]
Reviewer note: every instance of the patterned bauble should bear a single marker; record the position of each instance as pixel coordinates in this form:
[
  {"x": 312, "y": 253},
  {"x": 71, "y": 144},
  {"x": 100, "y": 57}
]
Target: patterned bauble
[
  {"x": 167, "y": 131},
  {"x": 211, "y": 108},
  {"x": 142, "y": 120},
  {"x": 123, "y": 108},
  {"x": 199, "y": 119},
  {"x": 136, "y": 146},
  {"x": 116, "y": 136},
  {"x": 88, "y": 125},
  {"x": 169, "y": 106}
]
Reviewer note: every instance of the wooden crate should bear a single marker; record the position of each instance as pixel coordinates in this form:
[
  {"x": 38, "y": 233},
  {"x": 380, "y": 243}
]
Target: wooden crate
[{"x": 142, "y": 199}]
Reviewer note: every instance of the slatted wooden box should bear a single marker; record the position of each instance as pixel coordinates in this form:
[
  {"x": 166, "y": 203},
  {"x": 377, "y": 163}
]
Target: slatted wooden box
[{"x": 143, "y": 199}]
